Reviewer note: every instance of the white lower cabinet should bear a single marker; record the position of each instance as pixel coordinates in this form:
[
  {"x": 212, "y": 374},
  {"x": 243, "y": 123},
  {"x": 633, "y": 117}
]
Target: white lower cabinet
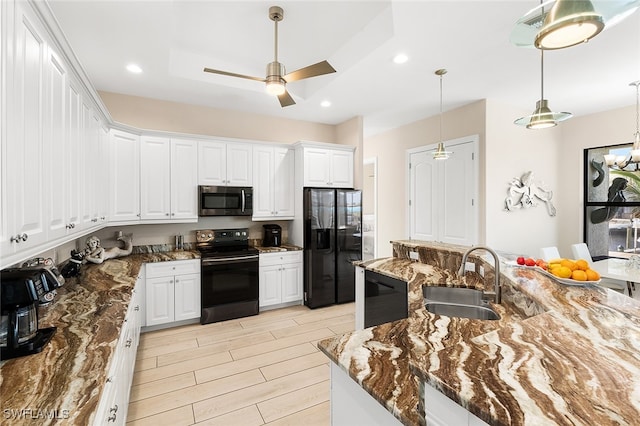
[
  {"x": 112, "y": 408},
  {"x": 439, "y": 410},
  {"x": 172, "y": 291},
  {"x": 280, "y": 277}
]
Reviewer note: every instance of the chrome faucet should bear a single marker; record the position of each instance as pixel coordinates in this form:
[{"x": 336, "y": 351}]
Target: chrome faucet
[{"x": 496, "y": 269}]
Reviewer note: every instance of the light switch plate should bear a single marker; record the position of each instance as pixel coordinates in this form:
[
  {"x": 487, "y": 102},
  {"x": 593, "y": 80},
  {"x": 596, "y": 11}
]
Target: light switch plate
[
  {"x": 470, "y": 266},
  {"x": 414, "y": 255}
]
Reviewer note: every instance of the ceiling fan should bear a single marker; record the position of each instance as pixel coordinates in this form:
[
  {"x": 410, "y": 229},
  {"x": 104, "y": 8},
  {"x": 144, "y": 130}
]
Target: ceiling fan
[{"x": 276, "y": 79}]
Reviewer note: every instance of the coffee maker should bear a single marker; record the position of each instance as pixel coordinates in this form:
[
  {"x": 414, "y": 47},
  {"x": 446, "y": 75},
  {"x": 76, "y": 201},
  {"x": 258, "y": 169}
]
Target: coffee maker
[
  {"x": 272, "y": 235},
  {"x": 21, "y": 290}
]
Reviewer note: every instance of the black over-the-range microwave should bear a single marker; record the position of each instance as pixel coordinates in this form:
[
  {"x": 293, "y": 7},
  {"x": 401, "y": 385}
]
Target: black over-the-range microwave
[{"x": 225, "y": 201}]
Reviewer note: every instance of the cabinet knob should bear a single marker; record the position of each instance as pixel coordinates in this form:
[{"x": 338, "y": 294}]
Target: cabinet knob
[
  {"x": 173, "y": 214},
  {"x": 137, "y": 308},
  {"x": 95, "y": 219},
  {"x": 138, "y": 215},
  {"x": 24, "y": 237},
  {"x": 166, "y": 214},
  {"x": 103, "y": 217},
  {"x": 128, "y": 344}
]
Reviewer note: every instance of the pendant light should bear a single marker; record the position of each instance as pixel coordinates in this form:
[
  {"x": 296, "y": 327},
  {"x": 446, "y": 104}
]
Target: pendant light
[
  {"x": 569, "y": 22},
  {"x": 621, "y": 162},
  {"x": 440, "y": 153},
  {"x": 542, "y": 117}
]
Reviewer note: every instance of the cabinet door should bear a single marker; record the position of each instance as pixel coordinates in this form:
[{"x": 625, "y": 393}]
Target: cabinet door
[
  {"x": 283, "y": 178},
  {"x": 56, "y": 167},
  {"x": 263, "y": 188},
  {"x": 184, "y": 179},
  {"x": 239, "y": 164},
  {"x": 316, "y": 167},
  {"x": 155, "y": 178},
  {"x": 212, "y": 163},
  {"x": 341, "y": 169},
  {"x": 24, "y": 154},
  {"x": 125, "y": 177},
  {"x": 104, "y": 183},
  {"x": 291, "y": 282},
  {"x": 91, "y": 163},
  {"x": 74, "y": 155},
  {"x": 159, "y": 305},
  {"x": 270, "y": 288},
  {"x": 187, "y": 297}
]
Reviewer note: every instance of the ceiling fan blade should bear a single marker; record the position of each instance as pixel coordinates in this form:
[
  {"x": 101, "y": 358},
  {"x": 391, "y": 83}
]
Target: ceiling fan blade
[
  {"x": 232, "y": 74},
  {"x": 286, "y": 99},
  {"x": 314, "y": 70}
]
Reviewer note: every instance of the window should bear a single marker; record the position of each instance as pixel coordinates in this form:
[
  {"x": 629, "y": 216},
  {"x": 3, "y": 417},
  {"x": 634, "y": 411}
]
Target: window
[{"x": 612, "y": 203}]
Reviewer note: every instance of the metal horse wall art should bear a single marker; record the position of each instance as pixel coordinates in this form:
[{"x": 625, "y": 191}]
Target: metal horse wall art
[{"x": 523, "y": 193}]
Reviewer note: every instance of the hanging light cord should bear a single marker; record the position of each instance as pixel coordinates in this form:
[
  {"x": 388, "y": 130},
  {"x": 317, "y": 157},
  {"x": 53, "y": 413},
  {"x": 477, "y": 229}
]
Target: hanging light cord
[
  {"x": 637, "y": 84},
  {"x": 541, "y": 74},
  {"x": 441, "y": 108}
]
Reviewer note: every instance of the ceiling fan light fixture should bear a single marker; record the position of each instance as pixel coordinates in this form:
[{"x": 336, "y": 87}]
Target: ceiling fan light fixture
[
  {"x": 440, "y": 153},
  {"x": 275, "y": 87},
  {"x": 568, "y": 23}
]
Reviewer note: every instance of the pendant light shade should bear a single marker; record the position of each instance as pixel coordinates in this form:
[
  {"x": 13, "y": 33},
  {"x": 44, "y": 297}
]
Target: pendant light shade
[
  {"x": 542, "y": 117},
  {"x": 441, "y": 153},
  {"x": 556, "y": 24},
  {"x": 569, "y": 22}
]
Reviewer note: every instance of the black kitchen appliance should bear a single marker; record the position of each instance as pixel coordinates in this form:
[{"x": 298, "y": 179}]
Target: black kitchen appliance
[
  {"x": 229, "y": 274},
  {"x": 225, "y": 201},
  {"x": 21, "y": 291},
  {"x": 272, "y": 235},
  {"x": 332, "y": 242},
  {"x": 385, "y": 299}
]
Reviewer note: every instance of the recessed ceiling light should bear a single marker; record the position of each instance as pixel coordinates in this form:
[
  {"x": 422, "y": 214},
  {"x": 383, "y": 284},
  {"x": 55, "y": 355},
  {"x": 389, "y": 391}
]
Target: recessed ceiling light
[
  {"x": 400, "y": 58},
  {"x": 133, "y": 68},
  {"x": 325, "y": 104}
]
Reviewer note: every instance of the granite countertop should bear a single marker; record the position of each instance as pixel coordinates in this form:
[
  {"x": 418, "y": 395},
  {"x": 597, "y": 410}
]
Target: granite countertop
[
  {"x": 283, "y": 247},
  {"x": 523, "y": 369},
  {"x": 68, "y": 375}
]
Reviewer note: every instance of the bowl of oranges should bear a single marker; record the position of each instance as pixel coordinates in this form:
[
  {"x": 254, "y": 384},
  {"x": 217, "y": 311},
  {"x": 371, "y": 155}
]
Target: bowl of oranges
[{"x": 566, "y": 271}]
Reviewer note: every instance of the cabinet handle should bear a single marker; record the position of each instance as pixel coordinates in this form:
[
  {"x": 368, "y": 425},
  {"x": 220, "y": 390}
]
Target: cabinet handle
[
  {"x": 95, "y": 219},
  {"x": 103, "y": 217},
  {"x": 138, "y": 215},
  {"x": 114, "y": 409},
  {"x": 137, "y": 308},
  {"x": 24, "y": 237},
  {"x": 15, "y": 239},
  {"x": 128, "y": 344}
]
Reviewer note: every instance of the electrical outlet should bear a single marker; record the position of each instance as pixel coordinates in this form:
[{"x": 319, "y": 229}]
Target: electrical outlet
[
  {"x": 481, "y": 271},
  {"x": 414, "y": 255},
  {"x": 470, "y": 266}
]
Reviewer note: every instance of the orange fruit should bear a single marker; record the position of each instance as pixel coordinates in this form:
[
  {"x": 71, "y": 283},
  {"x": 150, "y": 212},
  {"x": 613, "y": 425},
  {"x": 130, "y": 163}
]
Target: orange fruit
[
  {"x": 592, "y": 275},
  {"x": 562, "y": 272},
  {"x": 582, "y": 264},
  {"x": 569, "y": 264},
  {"x": 579, "y": 275}
]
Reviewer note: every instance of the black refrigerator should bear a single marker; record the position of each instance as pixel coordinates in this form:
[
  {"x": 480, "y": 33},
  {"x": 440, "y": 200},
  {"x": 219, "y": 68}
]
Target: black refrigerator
[{"x": 332, "y": 242}]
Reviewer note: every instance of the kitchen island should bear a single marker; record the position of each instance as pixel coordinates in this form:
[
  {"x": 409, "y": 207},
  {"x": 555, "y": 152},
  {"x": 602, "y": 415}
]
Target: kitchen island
[
  {"x": 558, "y": 354},
  {"x": 63, "y": 384}
]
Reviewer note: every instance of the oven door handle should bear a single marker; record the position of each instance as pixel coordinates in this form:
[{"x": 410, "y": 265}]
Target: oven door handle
[{"x": 210, "y": 261}]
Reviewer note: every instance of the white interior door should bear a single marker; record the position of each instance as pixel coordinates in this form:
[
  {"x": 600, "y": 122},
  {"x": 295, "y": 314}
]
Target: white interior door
[
  {"x": 423, "y": 196},
  {"x": 443, "y": 194}
]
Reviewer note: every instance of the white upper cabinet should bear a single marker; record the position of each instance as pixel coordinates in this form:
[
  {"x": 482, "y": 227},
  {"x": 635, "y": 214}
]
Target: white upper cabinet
[
  {"x": 168, "y": 179},
  {"x": 24, "y": 196},
  {"x": 184, "y": 179},
  {"x": 224, "y": 163},
  {"x": 327, "y": 167},
  {"x": 125, "y": 177},
  {"x": 274, "y": 183}
]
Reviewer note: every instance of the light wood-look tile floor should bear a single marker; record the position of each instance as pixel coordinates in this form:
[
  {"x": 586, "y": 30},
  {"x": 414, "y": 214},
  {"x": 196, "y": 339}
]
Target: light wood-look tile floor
[{"x": 264, "y": 369}]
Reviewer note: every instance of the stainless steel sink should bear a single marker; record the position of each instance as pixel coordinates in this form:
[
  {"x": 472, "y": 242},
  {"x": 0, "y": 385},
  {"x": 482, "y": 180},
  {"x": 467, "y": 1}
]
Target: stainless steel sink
[
  {"x": 461, "y": 311},
  {"x": 459, "y": 295}
]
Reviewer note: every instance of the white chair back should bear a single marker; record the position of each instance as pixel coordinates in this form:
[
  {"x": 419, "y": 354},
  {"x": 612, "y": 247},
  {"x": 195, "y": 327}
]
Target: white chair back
[
  {"x": 581, "y": 251},
  {"x": 548, "y": 253}
]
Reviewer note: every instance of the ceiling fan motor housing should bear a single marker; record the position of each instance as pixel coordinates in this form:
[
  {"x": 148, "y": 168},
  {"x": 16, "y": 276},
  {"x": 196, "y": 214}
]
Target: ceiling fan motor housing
[{"x": 275, "y": 71}]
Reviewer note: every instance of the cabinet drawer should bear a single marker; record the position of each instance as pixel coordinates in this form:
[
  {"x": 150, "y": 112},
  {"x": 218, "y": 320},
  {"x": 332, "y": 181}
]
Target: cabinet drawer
[
  {"x": 177, "y": 267},
  {"x": 280, "y": 258}
]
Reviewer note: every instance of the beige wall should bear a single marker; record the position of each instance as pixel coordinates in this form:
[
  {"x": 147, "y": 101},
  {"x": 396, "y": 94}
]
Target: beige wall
[
  {"x": 154, "y": 114},
  {"x": 390, "y": 149},
  {"x": 510, "y": 151}
]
